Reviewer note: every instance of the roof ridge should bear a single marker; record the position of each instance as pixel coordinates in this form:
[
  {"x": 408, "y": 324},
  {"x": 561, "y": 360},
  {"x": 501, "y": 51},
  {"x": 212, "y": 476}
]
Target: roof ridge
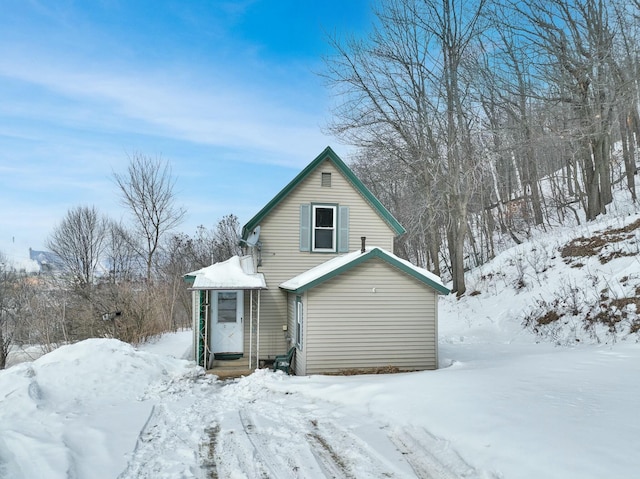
[
  {"x": 360, "y": 187},
  {"x": 342, "y": 263}
]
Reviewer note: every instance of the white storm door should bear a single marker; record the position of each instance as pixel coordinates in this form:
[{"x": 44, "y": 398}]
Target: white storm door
[{"x": 227, "y": 326}]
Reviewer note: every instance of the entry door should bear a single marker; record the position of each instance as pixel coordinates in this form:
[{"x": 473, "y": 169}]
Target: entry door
[{"x": 227, "y": 328}]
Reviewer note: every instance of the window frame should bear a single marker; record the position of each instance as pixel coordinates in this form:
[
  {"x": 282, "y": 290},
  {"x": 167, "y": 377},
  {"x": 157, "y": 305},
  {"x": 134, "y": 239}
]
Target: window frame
[{"x": 334, "y": 228}]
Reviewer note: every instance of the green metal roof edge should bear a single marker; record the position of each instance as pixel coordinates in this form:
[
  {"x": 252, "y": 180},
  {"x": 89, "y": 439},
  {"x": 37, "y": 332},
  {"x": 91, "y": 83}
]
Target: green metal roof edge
[
  {"x": 412, "y": 272},
  {"x": 189, "y": 278},
  {"x": 351, "y": 177},
  {"x": 374, "y": 253}
]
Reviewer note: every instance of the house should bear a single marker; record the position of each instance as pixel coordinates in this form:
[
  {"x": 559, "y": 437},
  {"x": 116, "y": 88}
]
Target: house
[
  {"x": 319, "y": 275},
  {"x": 47, "y": 261}
]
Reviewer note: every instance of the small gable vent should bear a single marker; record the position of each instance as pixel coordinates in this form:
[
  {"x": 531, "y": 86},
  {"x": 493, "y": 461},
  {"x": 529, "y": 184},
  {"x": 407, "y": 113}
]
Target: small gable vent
[{"x": 326, "y": 180}]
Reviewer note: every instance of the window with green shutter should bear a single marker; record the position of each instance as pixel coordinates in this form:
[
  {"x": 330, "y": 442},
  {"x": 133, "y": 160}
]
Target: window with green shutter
[{"x": 324, "y": 228}]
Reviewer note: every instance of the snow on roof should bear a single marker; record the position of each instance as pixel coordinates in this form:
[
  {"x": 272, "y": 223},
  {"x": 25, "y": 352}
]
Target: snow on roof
[
  {"x": 235, "y": 273},
  {"x": 324, "y": 271}
]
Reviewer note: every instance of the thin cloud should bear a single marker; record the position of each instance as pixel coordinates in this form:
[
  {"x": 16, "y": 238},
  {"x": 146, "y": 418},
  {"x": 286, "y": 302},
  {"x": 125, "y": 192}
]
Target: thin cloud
[{"x": 157, "y": 102}]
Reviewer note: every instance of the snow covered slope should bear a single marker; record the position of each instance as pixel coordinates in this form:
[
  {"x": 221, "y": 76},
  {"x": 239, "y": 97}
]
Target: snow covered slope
[{"x": 573, "y": 285}]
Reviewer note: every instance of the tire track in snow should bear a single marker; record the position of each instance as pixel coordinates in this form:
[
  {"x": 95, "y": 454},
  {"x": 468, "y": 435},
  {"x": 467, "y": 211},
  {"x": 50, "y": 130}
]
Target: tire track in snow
[
  {"x": 204, "y": 430},
  {"x": 146, "y": 434},
  {"x": 165, "y": 448},
  {"x": 328, "y": 460},
  {"x": 430, "y": 457},
  {"x": 344, "y": 444},
  {"x": 262, "y": 445},
  {"x": 287, "y": 450},
  {"x": 300, "y": 445}
]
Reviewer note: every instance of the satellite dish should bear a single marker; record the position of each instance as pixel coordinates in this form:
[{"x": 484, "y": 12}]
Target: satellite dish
[{"x": 253, "y": 237}]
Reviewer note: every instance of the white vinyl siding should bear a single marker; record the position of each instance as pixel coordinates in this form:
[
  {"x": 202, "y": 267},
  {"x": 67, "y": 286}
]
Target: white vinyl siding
[
  {"x": 280, "y": 250},
  {"x": 372, "y": 316}
]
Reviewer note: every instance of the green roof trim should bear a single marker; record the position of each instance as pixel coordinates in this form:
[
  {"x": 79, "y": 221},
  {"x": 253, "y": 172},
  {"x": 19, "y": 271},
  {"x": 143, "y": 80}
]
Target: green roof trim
[
  {"x": 361, "y": 258},
  {"x": 331, "y": 155}
]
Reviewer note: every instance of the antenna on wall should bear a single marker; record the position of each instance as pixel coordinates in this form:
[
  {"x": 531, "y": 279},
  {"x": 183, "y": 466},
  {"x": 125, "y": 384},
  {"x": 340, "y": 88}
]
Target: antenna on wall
[{"x": 253, "y": 237}]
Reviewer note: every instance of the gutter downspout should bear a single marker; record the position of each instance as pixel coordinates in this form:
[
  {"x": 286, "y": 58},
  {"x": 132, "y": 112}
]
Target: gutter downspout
[
  {"x": 207, "y": 302},
  {"x": 258, "y": 335},
  {"x": 250, "y": 329}
]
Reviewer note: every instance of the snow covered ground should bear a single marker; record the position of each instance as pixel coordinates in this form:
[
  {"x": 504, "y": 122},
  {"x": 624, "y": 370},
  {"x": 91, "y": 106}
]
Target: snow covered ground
[
  {"x": 101, "y": 409},
  {"x": 554, "y": 400}
]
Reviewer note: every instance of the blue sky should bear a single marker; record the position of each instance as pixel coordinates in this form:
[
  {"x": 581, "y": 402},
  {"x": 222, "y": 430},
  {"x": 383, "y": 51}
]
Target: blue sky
[{"x": 227, "y": 91}]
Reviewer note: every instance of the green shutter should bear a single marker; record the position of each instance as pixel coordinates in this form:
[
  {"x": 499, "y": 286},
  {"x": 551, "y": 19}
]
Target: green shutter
[
  {"x": 343, "y": 229},
  {"x": 305, "y": 227}
]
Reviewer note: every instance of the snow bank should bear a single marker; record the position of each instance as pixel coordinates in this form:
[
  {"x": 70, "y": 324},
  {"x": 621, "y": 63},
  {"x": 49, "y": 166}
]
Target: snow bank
[{"x": 76, "y": 412}]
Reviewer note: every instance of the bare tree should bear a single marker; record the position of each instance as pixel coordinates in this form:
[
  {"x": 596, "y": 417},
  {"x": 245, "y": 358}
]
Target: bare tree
[
  {"x": 6, "y": 326},
  {"x": 207, "y": 246},
  {"x": 626, "y": 67},
  {"x": 227, "y": 238},
  {"x": 79, "y": 241},
  {"x": 404, "y": 95},
  {"x": 120, "y": 255},
  {"x": 508, "y": 99},
  {"x": 147, "y": 190},
  {"x": 576, "y": 40}
]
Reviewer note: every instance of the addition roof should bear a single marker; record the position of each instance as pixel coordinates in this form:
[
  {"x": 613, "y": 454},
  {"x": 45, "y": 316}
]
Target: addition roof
[
  {"x": 338, "y": 265},
  {"x": 327, "y": 154},
  {"x": 235, "y": 273}
]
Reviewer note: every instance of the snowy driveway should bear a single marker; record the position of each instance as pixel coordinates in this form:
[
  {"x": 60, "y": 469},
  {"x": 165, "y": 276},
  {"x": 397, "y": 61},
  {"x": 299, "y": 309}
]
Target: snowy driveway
[
  {"x": 250, "y": 429},
  {"x": 100, "y": 409}
]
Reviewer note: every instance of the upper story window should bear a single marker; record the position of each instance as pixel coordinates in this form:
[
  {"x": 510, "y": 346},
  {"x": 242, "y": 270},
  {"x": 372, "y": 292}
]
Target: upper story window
[{"x": 324, "y": 228}]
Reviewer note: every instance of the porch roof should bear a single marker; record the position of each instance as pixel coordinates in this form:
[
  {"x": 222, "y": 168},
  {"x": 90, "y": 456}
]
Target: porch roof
[
  {"x": 235, "y": 273},
  {"x": 338, "y": 265}
]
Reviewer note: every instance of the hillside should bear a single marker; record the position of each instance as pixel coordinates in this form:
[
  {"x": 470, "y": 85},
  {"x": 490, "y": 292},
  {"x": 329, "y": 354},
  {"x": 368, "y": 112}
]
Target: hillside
[{"x": 578, "y": 284}]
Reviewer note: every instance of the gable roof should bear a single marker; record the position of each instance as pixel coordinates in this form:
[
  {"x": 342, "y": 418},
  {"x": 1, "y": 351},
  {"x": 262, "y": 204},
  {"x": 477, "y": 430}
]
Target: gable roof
[
  {"x": 327, "y": 154},
  {"x": 340, "y": 264},
  {"x": 235, "y": 273}
]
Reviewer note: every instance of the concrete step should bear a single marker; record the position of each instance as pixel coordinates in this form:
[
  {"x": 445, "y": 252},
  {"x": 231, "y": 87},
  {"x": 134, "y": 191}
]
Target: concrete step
[
  {"x": 231, "y": 368},
  {"x": 231, "y": 363}
]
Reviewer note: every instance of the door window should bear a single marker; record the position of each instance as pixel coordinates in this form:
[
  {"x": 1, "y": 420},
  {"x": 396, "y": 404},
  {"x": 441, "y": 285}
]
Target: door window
[{"x": 227, "y": 306}]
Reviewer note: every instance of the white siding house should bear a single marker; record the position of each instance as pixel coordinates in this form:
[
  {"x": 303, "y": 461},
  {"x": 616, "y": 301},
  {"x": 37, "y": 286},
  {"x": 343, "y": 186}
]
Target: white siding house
[{"x": 341, "y": 306}]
